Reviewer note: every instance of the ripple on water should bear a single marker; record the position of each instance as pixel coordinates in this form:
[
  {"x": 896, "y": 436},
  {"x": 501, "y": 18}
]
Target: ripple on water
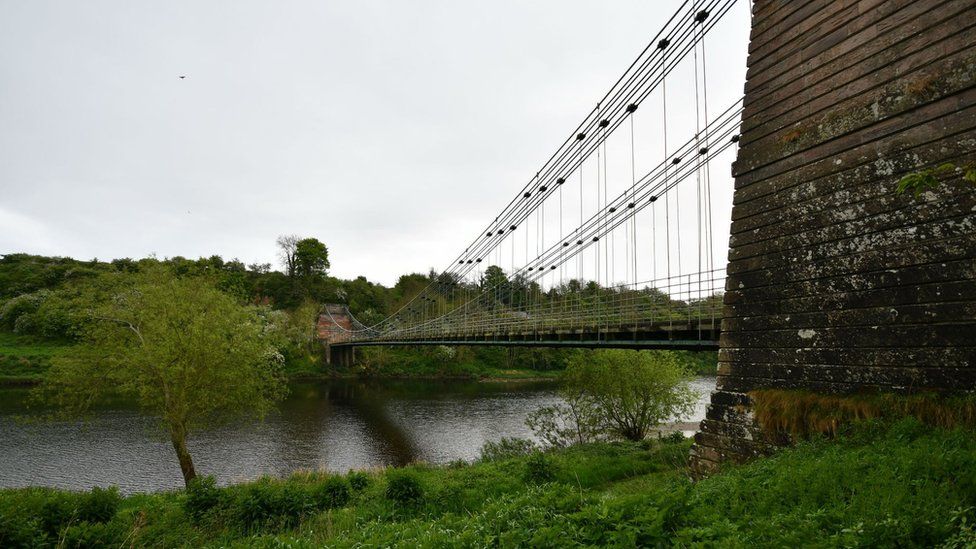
[{"x": 334, "y": 426}]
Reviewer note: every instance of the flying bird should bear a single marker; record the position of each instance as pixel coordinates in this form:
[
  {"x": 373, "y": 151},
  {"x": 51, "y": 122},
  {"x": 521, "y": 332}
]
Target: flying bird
[{"x": 182, "y": 76}]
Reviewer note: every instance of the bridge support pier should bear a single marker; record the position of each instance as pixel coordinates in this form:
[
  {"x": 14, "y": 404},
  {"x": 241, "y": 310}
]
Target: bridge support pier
[
  {"x": 836, "y": 282},
  {"x": 340, "y": 357}
]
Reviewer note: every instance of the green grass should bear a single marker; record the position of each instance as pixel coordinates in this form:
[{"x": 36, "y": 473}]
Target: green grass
[
  {"x": 878, "y": 485},
  {"x": 305, "y": 366},
  {"x": 26, "y": 358}
]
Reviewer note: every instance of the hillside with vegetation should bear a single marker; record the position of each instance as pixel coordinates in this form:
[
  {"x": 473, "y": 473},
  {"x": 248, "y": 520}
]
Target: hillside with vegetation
[{"x": 42, "y": 314}]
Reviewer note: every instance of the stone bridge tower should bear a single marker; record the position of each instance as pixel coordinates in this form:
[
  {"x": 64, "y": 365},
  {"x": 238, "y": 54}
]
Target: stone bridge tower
[
  {"x": 835, "y": 283},
  {"x": 333, "y": 326}
]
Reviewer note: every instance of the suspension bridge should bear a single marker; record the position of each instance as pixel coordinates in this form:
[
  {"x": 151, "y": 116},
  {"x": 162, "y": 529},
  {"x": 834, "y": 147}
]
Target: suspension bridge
[
  {"x": 830, "y": 280},
  {"x": 611, "y": 242}
]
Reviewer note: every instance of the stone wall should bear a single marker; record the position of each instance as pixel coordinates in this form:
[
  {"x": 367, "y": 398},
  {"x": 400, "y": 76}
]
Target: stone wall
[
  {"x": 836, "y": 284},
  {"x": 333, "y": 326}
]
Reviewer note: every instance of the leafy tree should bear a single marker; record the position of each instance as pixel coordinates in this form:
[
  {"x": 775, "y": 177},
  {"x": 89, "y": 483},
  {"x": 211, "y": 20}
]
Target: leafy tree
[
  {"x": 311, "y": 257},
  {"x": 615, "y": 392},
  {"x": 577, "y": 421},
  {"x": 634, "y": 390},
  {"x": 287, "y": 244},
  {"x": 187, "y": 352},
  {"x": 494, "y": 277}
]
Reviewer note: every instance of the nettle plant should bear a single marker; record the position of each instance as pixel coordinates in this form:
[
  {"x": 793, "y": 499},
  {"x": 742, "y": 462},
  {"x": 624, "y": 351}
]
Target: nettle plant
[{"x": 925, "y": 180}]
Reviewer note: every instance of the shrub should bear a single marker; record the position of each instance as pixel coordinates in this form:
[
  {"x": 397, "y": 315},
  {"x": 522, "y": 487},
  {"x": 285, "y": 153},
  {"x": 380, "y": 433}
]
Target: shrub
[
  {"x": 61, "y": 509},
  {"x": 56, "y": 512},
  {"x": 89, "y": 534},
  {"x": 449, "y": 497},
  {"x": 674, "y": 437},
  {"x": 578, "y": 421},
  {"x": 508, "y": 447},
  {"x": 21, "y": 305},
  {"x": 202, "y": 495},
  {"x": 404, "y": 488},
  {"x": 99, "y": 505},
  {"x": 358, "y": 480},
  {"x": 629, "y": 392},
  {"x": 332, "y": 493},
  {"x": 15, "y": 532},
  {"x": 539, "y": 468},
  {"x": 265, "y": 503}
]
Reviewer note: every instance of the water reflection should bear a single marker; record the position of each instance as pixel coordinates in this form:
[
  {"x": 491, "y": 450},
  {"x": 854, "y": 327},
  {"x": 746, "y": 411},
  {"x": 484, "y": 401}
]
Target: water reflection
[{"x": 336, "y": 426}]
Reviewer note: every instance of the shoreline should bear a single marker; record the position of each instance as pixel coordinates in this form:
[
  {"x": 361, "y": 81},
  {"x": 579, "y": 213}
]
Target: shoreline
[{"x": 14, "y": 382}]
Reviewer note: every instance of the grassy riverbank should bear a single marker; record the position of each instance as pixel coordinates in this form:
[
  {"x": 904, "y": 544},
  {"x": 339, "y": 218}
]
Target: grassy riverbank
[
  {"x": 485, "y": 363},
  {"x": 26, "y": 359},
  {"x": 897, "y": 485}
]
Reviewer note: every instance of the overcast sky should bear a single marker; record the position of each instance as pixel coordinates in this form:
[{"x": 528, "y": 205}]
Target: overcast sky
[{"x": 392, "y": 131}]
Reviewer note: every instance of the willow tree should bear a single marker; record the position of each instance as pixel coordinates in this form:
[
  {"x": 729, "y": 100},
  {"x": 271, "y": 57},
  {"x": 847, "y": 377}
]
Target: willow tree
[{"x": 188, "y": 353}]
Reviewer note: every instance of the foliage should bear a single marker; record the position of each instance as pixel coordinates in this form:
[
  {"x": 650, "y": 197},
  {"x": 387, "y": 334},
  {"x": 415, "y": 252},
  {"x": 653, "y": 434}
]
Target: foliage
[
  {"x": 67, "y": 509},
  {"x": 17, "y": 533},
  {"x": 674, "y": 437},
  {"x": 925, "y": 180},
  {"x": 578, "y": 420},
  {"x": 269, "y": 504},
  {"x": 23, "y": 304},
  {"x": 25, "y": 273},
  {"x": 624, "y": 393},
  {"x": 358, "y": 480},
  {"x": 876, "y": 486},
  {"x": 186, "y": 351},
  {"x": 404, "y": 488},
  {"x": 507, "y": 448},
  {"x": 873, "y": 485},
  {"x": 287, "y": 244},
  {"x": 27, "y": 358},
  {"x": 50, "y": 295},
  {"x": 539, "y": 468},
  {"x": 88, "y": 534},
  {"x": 202, "y": 495},
  {"x": 332, "y": 493},
  {"x": 470, "y": 362},
  {"x": 98, "y": 505},
  {"x": 311, "y": 257}
]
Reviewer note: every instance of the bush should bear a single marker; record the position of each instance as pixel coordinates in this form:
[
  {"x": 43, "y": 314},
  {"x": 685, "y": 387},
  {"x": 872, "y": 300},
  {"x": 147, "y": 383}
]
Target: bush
[
  {"x": 629, "y": 392},
  {"x": 674, "y": 437},
  {"x": 99, "y": 505},
  {"x": 404, "y": 488},
  {"x": 270, "y": 504},
  {"x": 19, "y": 306},
  {"x": 63, "y": 509},
  {"x": 88, "y": 534},
  {"x": 56, "y": 512},
  {"x": 16, "y": 532},
  {"x": 358, "y": 480},
  {"x": 539, "y": 468},
  {"x": 331, "y": 494},
  {"x": 508, "y": 447},
  {"x": 202, "y": 495}
]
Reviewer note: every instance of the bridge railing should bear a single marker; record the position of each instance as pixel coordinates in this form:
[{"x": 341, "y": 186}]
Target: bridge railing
[{"x": 682, "y": 301}]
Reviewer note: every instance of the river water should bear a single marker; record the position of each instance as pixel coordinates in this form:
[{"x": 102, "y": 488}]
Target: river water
[{"x": 336, "y": 426}]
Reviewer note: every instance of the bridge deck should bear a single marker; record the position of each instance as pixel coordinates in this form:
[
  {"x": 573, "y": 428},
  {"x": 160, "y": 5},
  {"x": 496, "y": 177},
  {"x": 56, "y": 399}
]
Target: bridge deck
[{"x": 688, "y": 336}]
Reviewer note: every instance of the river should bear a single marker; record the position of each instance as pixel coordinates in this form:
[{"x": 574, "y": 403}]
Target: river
[{"x": 336, "y": 425}]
